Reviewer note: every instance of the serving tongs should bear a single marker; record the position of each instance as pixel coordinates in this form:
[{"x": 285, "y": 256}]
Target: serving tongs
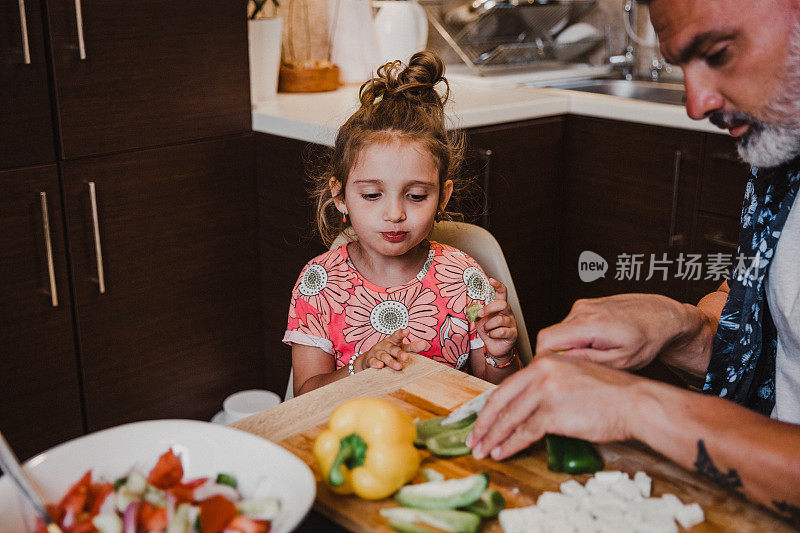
[{"x": 10, "y": 466}]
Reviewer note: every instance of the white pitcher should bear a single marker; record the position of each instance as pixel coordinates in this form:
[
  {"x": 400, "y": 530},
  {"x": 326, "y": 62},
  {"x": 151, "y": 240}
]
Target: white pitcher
[{"x": 401, "y": 27}]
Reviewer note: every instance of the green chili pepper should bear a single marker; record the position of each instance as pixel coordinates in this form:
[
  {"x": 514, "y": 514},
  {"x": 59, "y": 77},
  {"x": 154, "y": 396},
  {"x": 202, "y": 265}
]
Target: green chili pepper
[
  {"x": 450, "y": 443},
  {"x": 573, "y": 456},
  {"x": 433, "y": 427},
  {"x": 488, "y": 505},
  {"x": 227, "y": 479}
]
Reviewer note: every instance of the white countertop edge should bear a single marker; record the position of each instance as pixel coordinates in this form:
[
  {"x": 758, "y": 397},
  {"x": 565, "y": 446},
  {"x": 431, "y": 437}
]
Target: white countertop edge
[{"x": 538, "y": 103}]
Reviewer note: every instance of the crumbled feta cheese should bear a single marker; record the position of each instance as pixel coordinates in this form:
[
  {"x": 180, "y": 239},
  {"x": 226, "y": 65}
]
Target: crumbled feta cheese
[
  {"x": 558, "y": 525},
  {"x": 522, "y": 519},
  {"x": 626, "y": 489},
  {"x": 690, "y": 515},
  {"x": 573, "y": 488},
  {"x": 555, "y": 501},
  {"x": 672, "y": 502},
  {"x": 644, "y": 483},
  {"x": 608, "y": 502},
  {"x": 608, "y": 476}
]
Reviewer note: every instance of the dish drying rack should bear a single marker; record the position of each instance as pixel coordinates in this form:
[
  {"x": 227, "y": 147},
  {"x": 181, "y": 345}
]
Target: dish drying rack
[{"x": 487, "y": 34}]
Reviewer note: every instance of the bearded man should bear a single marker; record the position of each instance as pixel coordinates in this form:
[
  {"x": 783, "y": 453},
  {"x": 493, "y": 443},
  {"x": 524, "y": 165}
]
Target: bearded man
[{"x": 741, "y": 65}]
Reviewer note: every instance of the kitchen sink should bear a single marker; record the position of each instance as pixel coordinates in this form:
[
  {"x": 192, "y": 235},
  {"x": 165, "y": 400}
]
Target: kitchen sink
[{"x": 659, "y": 92}]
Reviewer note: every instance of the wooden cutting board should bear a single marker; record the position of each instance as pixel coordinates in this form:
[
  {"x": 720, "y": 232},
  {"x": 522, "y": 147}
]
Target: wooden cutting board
[{"x": 425, "y": 389}]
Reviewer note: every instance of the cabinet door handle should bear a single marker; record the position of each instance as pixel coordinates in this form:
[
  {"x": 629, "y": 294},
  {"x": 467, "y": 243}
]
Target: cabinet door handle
[
  {"x": 717, "y": 239},
  {"x": 48, "y": 249},
  {"x": 101, "y": 281},
  {"x": 487, "y": 156},
  {"x": 23, "y": 22},
  {"x": 675, "y": 238},
  {"x": 79, "y": 24}
]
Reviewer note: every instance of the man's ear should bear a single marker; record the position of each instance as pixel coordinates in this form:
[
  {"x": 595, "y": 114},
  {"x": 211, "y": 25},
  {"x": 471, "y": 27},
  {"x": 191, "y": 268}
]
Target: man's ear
[
  {"x": 447, "y": 192},
  {"x": 336, "y": 188}
]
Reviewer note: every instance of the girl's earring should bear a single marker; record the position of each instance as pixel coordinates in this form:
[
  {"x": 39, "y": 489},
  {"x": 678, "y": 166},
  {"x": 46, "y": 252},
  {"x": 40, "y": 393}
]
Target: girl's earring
[
  {"x": 344, "y": 218},
  {"x": 437, "y": 217}
]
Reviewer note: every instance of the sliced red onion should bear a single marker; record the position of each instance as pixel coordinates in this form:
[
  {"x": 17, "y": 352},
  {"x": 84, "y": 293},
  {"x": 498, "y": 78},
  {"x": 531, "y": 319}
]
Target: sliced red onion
[
  {"x": 207, "y": 490},
  {"x": 68, "y": 521},
  {"x": 171, "y": 501},
  {"x": 129, "y": 517}
]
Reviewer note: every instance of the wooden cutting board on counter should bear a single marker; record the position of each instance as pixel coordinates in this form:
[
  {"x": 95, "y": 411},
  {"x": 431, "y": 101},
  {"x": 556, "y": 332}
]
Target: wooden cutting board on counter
[{"x": 425, "y": 389}]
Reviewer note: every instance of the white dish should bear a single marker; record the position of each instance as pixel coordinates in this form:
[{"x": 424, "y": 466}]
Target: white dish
[
  {"x": 262, "y": 468},
  {"x": 220, "y": 418}
]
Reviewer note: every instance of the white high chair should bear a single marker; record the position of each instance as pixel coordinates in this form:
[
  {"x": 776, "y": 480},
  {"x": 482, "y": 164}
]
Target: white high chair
[{"x": 483, "y": 247}]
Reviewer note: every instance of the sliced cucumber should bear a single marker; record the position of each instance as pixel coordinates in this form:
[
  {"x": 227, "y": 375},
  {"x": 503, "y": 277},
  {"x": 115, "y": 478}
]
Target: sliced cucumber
[
  {"x": 448, "y": 494},
  {"x": 429, "y": 474},
  {"x": 435, "y": 520},
  {"x": 260, "y": 508}
]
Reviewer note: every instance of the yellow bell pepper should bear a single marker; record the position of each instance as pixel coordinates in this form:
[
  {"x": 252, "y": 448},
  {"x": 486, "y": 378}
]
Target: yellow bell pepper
[{"x": 368, "y": 449}]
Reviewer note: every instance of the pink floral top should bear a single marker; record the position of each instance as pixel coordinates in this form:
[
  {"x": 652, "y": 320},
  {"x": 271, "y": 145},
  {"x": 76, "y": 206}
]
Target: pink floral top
[{"x": 334, "y": 308}]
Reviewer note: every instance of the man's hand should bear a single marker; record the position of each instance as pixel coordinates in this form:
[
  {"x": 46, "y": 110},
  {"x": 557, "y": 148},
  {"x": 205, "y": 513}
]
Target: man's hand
[
  {"x": 623, "y": 331},
  {"x": 496, "y": 324},
  {"x": 555, "y": 394},
  {"x": 392, "y": 351}
]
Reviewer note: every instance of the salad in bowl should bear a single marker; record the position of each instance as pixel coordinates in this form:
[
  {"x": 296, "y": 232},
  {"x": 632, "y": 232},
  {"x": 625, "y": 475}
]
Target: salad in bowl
[{"x": 177, "y": 476}]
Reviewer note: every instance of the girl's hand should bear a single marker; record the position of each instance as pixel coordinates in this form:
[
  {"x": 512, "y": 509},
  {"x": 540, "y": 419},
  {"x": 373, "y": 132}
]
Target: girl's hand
[
  {"x": 496, "y": 323},
  {"x": 392, "y": 351}
]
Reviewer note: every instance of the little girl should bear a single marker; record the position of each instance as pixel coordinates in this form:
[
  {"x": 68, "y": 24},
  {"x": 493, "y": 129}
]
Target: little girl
[{"x": 391, "y": 292}]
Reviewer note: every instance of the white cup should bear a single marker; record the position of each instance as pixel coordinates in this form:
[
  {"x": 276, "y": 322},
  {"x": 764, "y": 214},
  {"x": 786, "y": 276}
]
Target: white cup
[{"x": 248, "y": 402}]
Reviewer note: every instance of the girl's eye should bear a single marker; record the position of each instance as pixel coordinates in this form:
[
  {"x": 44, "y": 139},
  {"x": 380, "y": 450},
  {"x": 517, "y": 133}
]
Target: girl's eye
[
  {"x": 417, "y": 197},
  {"x": 719, "y": 58},
  {"x": 371, "y": 195}
]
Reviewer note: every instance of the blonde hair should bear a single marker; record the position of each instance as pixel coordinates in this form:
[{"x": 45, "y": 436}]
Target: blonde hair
[{"x": 399, "y": 104}]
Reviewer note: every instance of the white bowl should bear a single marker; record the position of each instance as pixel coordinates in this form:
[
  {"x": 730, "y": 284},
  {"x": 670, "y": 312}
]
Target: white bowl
[
  {"x": 262, "y": 468},
  {"x": 244, "y": 403}
]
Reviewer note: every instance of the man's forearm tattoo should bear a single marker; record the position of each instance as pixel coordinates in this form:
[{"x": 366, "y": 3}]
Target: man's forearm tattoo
[
  {"x": 792, "y": 512},
  {"x": 705, "y": 467}
]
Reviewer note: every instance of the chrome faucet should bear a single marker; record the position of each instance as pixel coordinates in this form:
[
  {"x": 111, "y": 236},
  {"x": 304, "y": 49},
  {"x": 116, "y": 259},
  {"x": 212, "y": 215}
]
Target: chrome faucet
[
  {"x": 657, "y": 66},
  {"x": 626, "y": 61}
]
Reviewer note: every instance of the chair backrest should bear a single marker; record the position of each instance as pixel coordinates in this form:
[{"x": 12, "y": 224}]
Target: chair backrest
[{"x": 484, "y": 248}]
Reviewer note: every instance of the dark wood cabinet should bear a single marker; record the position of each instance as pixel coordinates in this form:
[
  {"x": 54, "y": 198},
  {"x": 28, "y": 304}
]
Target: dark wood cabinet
[
  {"x": 177, "y": 328},
  {"x": 40, "y": 402},
  {"x": 628, "y": 189},
  {"x": 148, "y": 101},
  {"x": 287, "y": 239},
  {"x": 153, "y": 73},
  {"x": 26, "y": 124},
  {"x": 516, "y": 170},
  {"x": 721, "y": 192}
]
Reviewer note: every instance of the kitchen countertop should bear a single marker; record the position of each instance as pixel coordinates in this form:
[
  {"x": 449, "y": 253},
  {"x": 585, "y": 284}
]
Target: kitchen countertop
[
  {"x": 425, "y": 389},
  {"x": 315, "y": 117}
]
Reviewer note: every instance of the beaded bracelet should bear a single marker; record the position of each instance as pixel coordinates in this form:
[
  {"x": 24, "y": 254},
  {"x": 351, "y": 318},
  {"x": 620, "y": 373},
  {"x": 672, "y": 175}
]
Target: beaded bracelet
[
  {"x": 492, "y": 362},
  {"x": 350, "y": 364}
]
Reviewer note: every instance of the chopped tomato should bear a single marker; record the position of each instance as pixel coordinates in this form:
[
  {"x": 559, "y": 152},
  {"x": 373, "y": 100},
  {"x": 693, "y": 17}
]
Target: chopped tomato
[
  {"x": 216, "y": 512},
  {"x": 75, "y": 498},
  {"x": 167, "y": 472},
  {"x": 184, "y": 492},
  {"x": 55, "y": 512},
  {"x": 83, "y": 524},
  {"x": 151, "y": 517},
  {"x": 244, "y": 524},
  {"x": 98, "y": 492}
]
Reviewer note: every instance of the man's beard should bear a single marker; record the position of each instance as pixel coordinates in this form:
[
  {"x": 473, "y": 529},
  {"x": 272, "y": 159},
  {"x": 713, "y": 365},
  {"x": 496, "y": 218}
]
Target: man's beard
[{"x": 775, "y": 139}]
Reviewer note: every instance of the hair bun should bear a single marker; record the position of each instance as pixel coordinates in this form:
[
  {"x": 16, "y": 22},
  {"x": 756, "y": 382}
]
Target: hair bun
[{"x": 416, "y": 82}]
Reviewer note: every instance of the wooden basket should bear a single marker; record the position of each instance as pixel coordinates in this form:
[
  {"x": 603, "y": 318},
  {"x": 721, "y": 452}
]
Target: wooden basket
[{"x": 308, "y": 80}]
